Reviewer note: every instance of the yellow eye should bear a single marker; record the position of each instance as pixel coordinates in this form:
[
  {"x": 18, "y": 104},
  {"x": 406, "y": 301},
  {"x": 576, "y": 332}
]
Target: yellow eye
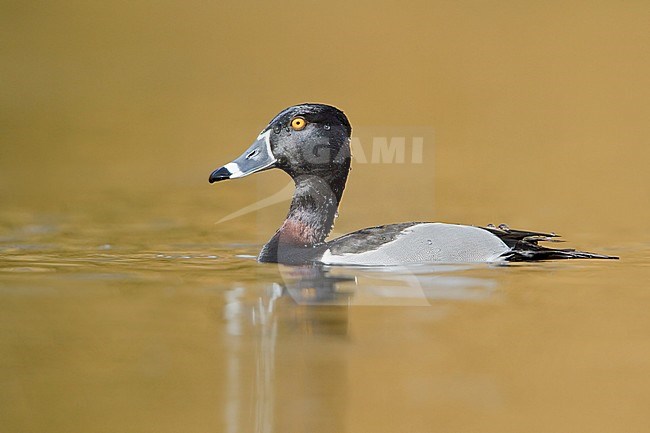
[{"x": 298, "y": 123}]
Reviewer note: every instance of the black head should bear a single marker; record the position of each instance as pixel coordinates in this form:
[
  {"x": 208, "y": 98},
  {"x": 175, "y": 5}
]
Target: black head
[{"x": 306, "y": 139}]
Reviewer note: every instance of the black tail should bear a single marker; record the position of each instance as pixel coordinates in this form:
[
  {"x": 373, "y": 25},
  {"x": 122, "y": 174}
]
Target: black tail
[{"x": 525, "y": 246}]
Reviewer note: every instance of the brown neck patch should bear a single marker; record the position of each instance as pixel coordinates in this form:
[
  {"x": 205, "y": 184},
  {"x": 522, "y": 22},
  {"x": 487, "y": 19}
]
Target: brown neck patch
[{"x": 297, "y": 232}]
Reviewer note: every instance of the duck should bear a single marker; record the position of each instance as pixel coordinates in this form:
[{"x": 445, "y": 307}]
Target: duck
[{"x": 311, "y": 143}]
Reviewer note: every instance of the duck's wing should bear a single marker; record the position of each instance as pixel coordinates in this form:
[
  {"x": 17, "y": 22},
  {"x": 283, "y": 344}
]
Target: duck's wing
[
  {"x": 412, "y": 243},
  {"x": 524, "y": 246}
]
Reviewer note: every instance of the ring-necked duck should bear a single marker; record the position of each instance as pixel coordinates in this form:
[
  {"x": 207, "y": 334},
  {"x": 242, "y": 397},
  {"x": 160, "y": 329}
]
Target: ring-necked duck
[{"x": 311, "y": 143}]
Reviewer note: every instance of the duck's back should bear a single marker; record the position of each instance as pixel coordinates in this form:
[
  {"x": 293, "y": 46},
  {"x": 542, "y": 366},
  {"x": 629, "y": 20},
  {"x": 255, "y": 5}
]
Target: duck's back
[{"x": 415, "y": 242}]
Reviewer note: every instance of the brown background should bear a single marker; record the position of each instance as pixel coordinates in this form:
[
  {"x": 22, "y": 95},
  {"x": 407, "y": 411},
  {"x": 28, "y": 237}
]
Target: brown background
[{"x": 540, "y": 110}]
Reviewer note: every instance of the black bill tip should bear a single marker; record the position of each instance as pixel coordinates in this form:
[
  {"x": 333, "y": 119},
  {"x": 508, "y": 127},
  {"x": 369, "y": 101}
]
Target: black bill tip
[{"x": 220, "y": 174}]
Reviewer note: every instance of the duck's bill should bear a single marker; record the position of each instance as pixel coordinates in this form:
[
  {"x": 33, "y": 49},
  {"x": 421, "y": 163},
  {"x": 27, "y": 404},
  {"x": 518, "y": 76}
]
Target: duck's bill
[{"x": 258, "y": 157}]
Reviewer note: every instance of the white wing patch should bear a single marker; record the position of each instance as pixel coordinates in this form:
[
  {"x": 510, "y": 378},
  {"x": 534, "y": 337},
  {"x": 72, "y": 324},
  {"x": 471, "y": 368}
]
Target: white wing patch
[{"x": 427, "y": 243}]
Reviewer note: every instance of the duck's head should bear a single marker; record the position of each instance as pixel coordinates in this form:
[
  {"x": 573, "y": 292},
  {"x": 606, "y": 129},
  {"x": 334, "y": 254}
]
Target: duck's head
[{"x": 306, "y": 139}]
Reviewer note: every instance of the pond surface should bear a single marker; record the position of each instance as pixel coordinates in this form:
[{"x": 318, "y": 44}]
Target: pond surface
[
  {"x": 135, "y": 312},
  {"x": 130, "y": 299}
]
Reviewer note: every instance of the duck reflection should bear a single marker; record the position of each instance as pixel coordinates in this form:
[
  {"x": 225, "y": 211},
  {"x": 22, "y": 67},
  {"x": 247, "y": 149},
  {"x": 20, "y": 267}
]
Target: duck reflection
[
  {"x": 315, "y": 285},
  {"x": 287, "y": 340}
]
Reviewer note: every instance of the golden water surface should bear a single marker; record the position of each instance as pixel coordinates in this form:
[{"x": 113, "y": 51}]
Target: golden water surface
[{"x": 130, "y": 300}]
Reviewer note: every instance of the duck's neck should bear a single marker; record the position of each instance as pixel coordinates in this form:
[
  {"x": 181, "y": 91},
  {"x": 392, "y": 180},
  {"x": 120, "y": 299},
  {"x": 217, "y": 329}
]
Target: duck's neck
[{"x": 311, "y": 214}]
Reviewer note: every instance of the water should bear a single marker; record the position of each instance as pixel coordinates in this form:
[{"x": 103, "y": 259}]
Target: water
[
  {"x": 130, "y": 300},
  {"x": 169, "y": 322}
]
